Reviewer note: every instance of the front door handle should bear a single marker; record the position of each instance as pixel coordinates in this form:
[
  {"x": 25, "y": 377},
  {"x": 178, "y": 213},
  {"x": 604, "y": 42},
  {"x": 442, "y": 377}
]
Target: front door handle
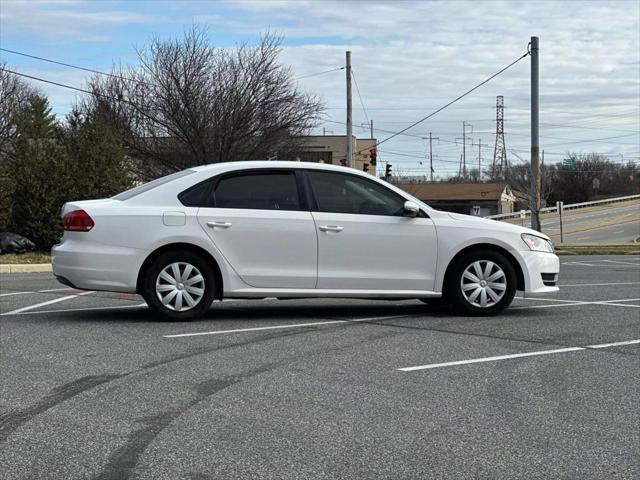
[
  {"x": 218, "y": 224},
  {"x": 331, "y": 228}
]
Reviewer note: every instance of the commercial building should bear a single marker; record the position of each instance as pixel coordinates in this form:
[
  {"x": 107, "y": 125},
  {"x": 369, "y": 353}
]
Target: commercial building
[{"x": 333, "y": 149}]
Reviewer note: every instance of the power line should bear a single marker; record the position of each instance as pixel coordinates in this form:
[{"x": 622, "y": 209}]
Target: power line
[
  {"x": 91, "y": 70},
  {"x": 454, "y": 100},
  {"x": 112, "y": 75},
  {"x": 320, "y": 73},
  {"x": 353, "y": 75}
]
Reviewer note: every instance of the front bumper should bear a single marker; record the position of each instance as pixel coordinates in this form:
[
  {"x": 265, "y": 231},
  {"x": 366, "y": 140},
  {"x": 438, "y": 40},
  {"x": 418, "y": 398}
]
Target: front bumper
[{"x": 534, "y": 265}]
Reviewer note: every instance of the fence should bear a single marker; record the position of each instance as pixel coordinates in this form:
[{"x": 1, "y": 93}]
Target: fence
[{"x": 571, "y": 206}]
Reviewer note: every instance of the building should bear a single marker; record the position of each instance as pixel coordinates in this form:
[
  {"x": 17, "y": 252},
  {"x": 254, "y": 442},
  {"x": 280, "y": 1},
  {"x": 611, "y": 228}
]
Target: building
[
  {"x": 480, "y": 199},
  {"x": 333, "y": 149}
]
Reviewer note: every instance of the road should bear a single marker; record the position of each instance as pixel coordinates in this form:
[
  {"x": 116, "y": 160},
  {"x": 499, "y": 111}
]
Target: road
[
  {"x": 605, "y": 225},
  {"x": 95, "y": 387}
]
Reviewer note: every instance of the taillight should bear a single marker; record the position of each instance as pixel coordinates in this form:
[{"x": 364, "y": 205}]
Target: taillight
[{"x": 77, "y": 221}]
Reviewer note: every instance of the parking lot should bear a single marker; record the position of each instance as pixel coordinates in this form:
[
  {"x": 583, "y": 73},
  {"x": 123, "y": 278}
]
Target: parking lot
[{"x": 93, "y": 386}]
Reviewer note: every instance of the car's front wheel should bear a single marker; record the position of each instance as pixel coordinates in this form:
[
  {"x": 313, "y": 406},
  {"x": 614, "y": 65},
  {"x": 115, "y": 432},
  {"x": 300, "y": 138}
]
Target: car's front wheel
[
  {"x": 179, "y": 286},
  {"x": 482, "y": 283}
]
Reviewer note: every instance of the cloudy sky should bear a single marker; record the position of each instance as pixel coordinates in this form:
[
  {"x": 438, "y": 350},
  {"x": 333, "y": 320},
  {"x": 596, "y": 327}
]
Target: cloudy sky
[{"x": 409, "y": 58}]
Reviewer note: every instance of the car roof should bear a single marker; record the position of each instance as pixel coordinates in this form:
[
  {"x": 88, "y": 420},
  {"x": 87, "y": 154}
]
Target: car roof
[{"x": 250, "y": 164}]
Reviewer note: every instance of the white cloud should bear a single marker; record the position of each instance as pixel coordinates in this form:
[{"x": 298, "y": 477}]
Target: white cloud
[{"x": 73, "y": 19}]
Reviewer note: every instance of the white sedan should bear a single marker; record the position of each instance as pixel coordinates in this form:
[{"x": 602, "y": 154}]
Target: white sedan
[{"x": 293, "y": 230}]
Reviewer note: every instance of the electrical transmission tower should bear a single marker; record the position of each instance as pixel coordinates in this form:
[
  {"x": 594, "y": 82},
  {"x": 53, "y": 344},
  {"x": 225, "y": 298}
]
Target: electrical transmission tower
[{"x": 500, "y": 165}]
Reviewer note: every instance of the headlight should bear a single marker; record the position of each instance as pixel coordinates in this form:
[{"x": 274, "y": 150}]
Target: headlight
[{"x": 537, "y": 244}]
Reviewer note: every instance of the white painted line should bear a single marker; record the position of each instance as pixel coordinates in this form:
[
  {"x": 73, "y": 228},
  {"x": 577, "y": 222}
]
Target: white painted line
[
  {"x": 573, "y": 303},
  {"x": 37, "y": 305},
  {"x": 490, "y": 359},
  {"x": 622, "y": 263},
  {"x": 619, "y": 231},
  {"x": 37, "y": 291},
  {"x": 598, "y": 284},
  {"x": 115, "y": 307},
  {"x": 516, "y": 355},
  {"x": 13, "y": 293},
  {"x": 277, "y": 327},
  {"x": 615, "y": 344}
]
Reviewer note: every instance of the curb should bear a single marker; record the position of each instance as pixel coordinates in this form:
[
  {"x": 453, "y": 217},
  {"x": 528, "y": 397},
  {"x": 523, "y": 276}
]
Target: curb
[{"x": 25, "y": 268}]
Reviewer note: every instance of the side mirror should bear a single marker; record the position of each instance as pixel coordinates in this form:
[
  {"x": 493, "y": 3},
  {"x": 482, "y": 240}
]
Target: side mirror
[{"x": 411, "y": 210}]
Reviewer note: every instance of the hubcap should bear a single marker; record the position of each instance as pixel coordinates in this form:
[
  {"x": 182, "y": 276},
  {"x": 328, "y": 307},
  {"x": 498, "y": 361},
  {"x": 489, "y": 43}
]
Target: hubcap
[
  {"x": 180, "y": 286},
  {"x": 483, "y": 283}
]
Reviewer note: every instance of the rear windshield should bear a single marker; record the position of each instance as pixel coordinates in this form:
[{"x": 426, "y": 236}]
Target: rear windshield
[{"x": 151, "y": 185}]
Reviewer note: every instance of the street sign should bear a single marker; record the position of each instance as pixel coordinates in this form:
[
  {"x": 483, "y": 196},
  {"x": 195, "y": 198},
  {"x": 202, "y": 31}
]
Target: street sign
[
  {"x": 569, "y": 162},
  {"x": 523, "y": 213},
  {"x": 476, "y": 210}
]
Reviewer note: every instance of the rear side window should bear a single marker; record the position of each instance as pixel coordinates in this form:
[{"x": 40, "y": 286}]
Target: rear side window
[
  {"x": 195, "y": 196},
  {"x": 343, "y": 193},
  {"x": 257, "y": 191},
  {"x": 134, "y": 192}
]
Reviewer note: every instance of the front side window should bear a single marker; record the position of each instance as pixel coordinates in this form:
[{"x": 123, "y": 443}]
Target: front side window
[
  {"x": 259, "y": 191},
  {"x": 341, "y": 193}
]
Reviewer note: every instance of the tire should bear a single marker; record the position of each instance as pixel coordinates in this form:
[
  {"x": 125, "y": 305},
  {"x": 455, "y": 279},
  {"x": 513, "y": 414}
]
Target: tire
[
  {"x": 191, "y": 295},
  {"x": 492, "y": 293}
]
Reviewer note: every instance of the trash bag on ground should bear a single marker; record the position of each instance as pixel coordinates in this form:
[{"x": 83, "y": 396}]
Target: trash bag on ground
[{"x": 14, "y": 243}]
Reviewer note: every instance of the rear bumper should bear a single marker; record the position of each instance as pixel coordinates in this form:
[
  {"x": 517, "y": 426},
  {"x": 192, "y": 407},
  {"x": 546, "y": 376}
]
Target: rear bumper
[
  {"x": 94, "y": 266},
  {"x": 534, "y": 265}
]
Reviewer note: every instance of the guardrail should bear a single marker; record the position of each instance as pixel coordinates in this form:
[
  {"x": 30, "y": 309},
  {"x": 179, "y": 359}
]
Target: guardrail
[{"x": 571, "y": 206}]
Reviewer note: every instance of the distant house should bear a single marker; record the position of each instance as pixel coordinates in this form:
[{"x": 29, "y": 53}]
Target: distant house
[{"x": 480, "y": 199}]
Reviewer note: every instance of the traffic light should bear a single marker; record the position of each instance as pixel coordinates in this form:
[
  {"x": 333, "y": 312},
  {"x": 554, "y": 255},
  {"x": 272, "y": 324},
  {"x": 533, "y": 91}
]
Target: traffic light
[
  {"x": 373, "y": 155},
  {"x": 365, "y": 167},
  {"x": 387, "y": 170},
  {"x": 343, "y": 162}
]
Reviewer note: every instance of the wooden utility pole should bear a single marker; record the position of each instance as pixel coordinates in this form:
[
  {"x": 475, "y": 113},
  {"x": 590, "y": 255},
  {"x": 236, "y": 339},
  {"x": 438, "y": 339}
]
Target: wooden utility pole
[
  {"x": 349, "y": 114},
  {"x": 431, "y": 139},
  {"x": 535, "y": 139}
]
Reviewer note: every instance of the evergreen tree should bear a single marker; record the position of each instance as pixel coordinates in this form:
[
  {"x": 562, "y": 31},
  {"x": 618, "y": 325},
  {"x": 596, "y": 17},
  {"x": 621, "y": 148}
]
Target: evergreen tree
[
  {"x": 97, "y": 163},
  {"x": 37, "y": 165}
]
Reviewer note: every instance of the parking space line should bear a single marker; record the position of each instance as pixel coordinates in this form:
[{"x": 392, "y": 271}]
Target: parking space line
[
  {"x": 622, "y": 263},
  {"x": 516, "y": 355},
  {"x": 598, "y": 284},
  {"x": 573, "y": 303},
  {"x": 65, "y": 310},
  {"x": 36, "y": 291},
  {"x": 277, "y": 327},
  {"x": 49, "y": 302}
]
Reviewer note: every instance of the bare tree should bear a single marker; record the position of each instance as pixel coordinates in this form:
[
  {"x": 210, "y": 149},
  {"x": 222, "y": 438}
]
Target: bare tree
[
  {"x": 518, "y": 177},
  {"x": 189, "y": 103},
  {"x": 14, "y": 95}
]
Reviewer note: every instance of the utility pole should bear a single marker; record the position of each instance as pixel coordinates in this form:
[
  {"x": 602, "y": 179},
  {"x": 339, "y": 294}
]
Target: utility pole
[
  {"x": 464, "y": 150},
  {"x": 479, "y": 160},
  {"x": 349, "y": 121},
  {"x": 371, "y": 129},
  {"x": 431, "y": 156},
  {"x": 535, "y": 139}
]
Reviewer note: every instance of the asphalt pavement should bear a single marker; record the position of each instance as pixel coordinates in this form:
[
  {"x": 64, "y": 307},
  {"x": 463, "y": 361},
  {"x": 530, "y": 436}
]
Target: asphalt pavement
[
  {"x": 95, "y": 387},
  {"x": 617, "y": 223}
]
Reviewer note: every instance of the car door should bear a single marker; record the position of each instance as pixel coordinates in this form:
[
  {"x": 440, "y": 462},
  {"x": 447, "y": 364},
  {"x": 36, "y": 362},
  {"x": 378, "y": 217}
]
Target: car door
[
  {"x": 364, "y": 241},
  {"x": 260, "y": 222}
]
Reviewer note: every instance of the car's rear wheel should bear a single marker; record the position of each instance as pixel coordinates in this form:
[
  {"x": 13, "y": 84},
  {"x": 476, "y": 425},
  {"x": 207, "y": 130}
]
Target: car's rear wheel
[
  {"x": 482, "y": 283},
  {"x": 179, "y": 285}
]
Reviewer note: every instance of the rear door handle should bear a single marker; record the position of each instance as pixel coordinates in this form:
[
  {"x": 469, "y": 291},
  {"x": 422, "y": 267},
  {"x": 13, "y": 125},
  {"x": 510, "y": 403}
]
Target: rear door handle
[
  {"x": 331, "y": 228},
  {"x": 218, "y": 224}
]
